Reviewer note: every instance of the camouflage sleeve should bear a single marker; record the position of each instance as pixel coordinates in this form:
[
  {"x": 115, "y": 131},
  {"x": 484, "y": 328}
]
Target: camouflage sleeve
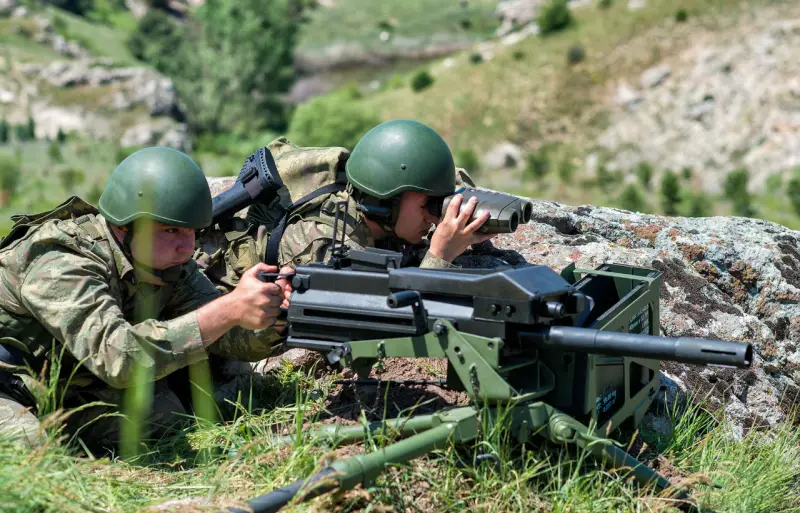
[
  {"x": 434, "y": 262},
  {"x": 305, "y": 242},
  {"x": 194, "y": 291},
  {"x": 70, "y": 295}
]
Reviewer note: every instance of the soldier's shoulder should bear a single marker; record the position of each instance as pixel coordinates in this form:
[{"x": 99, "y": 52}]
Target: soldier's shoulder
[{"x": 63, "y": 235}]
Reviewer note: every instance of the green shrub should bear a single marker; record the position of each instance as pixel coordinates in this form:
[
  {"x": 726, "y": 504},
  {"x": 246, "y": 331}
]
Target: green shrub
[
  {"x": 475, "y": 58},
  {"x": 518, "y": 55},
  {"x": 54, "y": 152},
  {"x": 632, "y": 199},
  {"x": 576, "y": 54},
  {"x": 5, "y": 131},
  {"x": 687, "y": 173},
  {"x": 793, "y": 192},
  {"x": 700, "y": 205},
  {"x": 538, "y": 164},
  {"x": 79, "y": 7},
  {"x": 566, "y": 169},
  {"x": 93, "y": 196},
  {"x": 421, "y": 80},
  {"x": 607, "y": 179},
  {"x": 670, "y": 193},
  {"x": 554, "y": 17},
  {"x": 124, "y": 152},
  {"x": 22, "y": 133},
  {"x": 61, "y": 136},
  {"x": 604, "y": 4},
  {"x": 336, "y": 119},
  {"x": 70, "y": 178},
  {"x": 9, "y": 179},
  {"x": 737, "y": 193},
  {"x": 467, "y": 159},
  {"x": 681, "y": 15},
  {"x": 644, "y": 172}
]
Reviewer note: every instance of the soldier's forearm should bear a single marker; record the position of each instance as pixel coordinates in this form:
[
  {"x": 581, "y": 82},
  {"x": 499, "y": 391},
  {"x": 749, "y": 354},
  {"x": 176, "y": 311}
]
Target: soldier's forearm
[{"x": 216, "y": 318}]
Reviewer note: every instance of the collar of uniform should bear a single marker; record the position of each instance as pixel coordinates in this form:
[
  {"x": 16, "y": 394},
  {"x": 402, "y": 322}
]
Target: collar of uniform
[{"x": 124, "y": 266}]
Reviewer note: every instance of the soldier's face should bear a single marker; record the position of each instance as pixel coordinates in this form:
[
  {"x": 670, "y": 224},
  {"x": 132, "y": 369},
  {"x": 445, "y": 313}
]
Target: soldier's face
[
  {"x": 160, "y": 246},
  {"x": 414, "y": 221}
]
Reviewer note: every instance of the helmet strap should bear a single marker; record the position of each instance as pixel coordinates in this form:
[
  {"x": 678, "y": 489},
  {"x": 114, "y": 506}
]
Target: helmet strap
[{"x": 384, "y": 212}]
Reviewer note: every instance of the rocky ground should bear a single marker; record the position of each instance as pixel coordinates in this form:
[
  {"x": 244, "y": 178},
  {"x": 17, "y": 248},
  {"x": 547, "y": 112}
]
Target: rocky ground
[
  {"x": 722, "y": 277},
  {"x": 86, "y": 95},
  {"x": 730, "y": 99}
]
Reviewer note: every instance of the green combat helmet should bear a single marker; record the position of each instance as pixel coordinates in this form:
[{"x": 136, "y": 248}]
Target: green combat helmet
[
  {"x": 161, "y": 184},
  {"x": 394, "y": 157}
]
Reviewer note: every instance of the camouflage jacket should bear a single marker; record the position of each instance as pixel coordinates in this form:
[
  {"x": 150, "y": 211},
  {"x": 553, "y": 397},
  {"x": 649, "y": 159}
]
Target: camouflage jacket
[{"x": 67, "y": 284}]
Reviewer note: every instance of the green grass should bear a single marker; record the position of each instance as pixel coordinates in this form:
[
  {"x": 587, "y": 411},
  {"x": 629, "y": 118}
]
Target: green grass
[
  {"x": 18, "y": 46},
  {"x": 415, "y": 25},
  {"x": 100, "y": 39},
  {"x": 218, "y": 465}
]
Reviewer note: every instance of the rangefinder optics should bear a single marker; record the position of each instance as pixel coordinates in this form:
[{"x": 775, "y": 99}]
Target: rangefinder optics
[{"x": 506, "y": 212}]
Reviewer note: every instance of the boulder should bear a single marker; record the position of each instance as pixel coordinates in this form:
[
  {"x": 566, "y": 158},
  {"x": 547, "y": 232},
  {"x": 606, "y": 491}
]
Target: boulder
[
  {"x": 7, "y": 7},
  {"x": 504, "y": 155},
  {"x": 161, "y": 132}
]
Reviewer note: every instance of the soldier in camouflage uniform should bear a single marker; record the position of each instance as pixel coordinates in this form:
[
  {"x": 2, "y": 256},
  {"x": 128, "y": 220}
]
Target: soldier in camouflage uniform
[
  {"x": 387, "y": 181},
  {"x": 115, "y": 290}
]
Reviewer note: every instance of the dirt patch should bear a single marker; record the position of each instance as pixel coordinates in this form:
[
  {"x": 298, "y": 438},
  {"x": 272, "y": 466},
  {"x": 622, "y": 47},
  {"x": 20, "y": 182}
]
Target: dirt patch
[
  {"x": 387, "y": 399},
  {"x": 663, "y": 466}
]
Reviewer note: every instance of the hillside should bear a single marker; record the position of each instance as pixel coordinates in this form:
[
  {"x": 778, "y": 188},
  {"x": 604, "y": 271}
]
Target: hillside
[{"x": 708, "y": 94}]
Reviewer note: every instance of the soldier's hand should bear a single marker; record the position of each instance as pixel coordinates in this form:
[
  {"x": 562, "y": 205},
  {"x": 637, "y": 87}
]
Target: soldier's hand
[
  {"x": 454, "y": 235},
  {"x": 258, "y": 302},
  {"x": 286, "y": 285}
]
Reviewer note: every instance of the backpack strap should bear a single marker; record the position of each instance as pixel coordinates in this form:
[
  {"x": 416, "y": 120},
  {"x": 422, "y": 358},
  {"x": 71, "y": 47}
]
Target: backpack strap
[{"x": 273, "y": 244}]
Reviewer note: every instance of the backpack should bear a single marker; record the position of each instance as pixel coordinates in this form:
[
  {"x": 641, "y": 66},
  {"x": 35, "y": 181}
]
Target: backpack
[{"x": 308, "y": 176}]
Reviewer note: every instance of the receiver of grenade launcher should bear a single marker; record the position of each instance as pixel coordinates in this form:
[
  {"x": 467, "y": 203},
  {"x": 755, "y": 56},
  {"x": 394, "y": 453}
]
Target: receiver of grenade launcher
[{"x": 547, "y": 354}]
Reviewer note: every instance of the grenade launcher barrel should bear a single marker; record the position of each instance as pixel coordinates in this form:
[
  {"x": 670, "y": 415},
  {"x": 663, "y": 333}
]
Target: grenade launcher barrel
[
  {"x": 696, "y": 351},
  {"x": 507, "y": 212}
]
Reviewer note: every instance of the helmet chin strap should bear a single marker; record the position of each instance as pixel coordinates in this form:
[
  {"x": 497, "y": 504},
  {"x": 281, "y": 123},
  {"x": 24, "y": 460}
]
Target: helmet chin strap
[{"x": 382, "y": 212}]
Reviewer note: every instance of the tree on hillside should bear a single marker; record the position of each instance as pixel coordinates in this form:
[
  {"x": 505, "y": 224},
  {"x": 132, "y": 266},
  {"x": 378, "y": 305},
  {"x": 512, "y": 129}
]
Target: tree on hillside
[
  {"x": 736, "y": 191},
  {"x": 332, "y": 120},
  {"x": 9, "y": 179},
  {"x": 670, "y": 193},
  {"x": 230, "y": 62},
  {"x": 79, "y": 7}
]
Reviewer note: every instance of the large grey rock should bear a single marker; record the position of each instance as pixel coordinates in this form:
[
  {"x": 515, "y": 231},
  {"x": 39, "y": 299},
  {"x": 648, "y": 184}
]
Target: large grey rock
[
  {"x": 723, "y": 277},
  {"x": 504, "y": 155},
  {"x": 7, "y": 7},
  {"x": 161, "y": 132}
]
